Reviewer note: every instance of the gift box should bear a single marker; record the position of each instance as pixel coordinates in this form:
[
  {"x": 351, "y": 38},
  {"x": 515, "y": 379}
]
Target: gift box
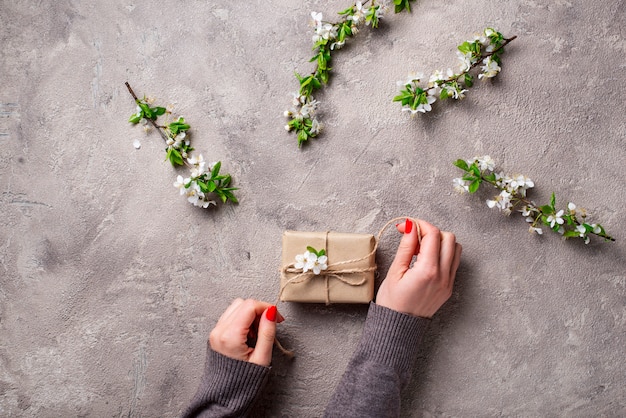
[{"x": 350, "y": 272}]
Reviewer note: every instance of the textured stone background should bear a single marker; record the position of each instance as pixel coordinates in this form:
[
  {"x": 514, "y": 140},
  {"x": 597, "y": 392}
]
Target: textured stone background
[{"x": 111, "y": 281}]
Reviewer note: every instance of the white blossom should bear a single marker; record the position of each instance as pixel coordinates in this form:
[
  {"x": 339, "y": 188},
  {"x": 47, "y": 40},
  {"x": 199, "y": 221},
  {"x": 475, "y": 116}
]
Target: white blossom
[
  {"x": 316, "y": 127},
  {"x": 502, "y": 202},
  {"x": 308, "y": 109},
  {"x": 435, "y": 78},
  {"x": 337, "y": 45},
  {"x": 466, "y": 61},
  {"x": 325, "y": 31},
  {"x": 555, "y": 219},
  {"x": 460, "y": 185},
  {"x": 454, "y": 91},
  {"x": 193, "y": 193},
  {"x": 426, "y": 107},
  {"x": 199, "y": 165},
  {"x": 180, "y": 184},
  {"x": 298, "y": 99},
  {"x": 359, "y": 15},
  {"x": 316, "y": 19},
  {"x": 383, "y": 8},
  {"x": 319, "y": 263},
  {"x": 305, "y": 261},
  {"x": 490, "y": 68},
  {"x": 485, "y": 163}
]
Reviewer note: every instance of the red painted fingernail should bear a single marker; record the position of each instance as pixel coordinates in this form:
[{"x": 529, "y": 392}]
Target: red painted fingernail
[
  {"x": 271, "y": 313},
  {"x": 408, "y": 226}
]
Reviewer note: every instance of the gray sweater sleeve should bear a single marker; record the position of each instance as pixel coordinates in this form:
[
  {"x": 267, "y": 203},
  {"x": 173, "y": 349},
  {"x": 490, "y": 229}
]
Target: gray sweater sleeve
[
  {"x": 228, "y": 387},
  {"x": 380, "y": 367}
]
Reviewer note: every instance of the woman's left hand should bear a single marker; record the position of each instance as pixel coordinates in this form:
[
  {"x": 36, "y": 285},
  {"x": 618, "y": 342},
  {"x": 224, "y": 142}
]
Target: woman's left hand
[{"x": 241, "y": 322}]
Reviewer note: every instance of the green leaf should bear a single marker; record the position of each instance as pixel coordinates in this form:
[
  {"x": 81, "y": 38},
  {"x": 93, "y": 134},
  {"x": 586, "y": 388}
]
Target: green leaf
[
  {"x": 174, "y": 156},
  {"x": 546, "y": 209},
  {"x": 216, "y": 169},
  {"x": 346, "y": 12},
  {"x": 570, "y": 234},
  {"x": 465, "y": 47},
  {"x": 400, "y": 97},
  {"x": 147, "y": 112},
  {"x": 231, "y": 196},
  {"x": 305, "y": 81},
  {"x": 159, "y": 111},
  {"x": 462, "y": 164},
  {"x": 302, "y": 137},
  {"x": 311, "y": 250},
  {"x": 204, "y": 188},
  {"x": 135, "y": 118},
  {"x": 491, "y": 177},
  {"x": 469, "y": 80},
  {"x": 211, "y": 186},
  {"x": 321, "y": 62},
  {"x": 553, "y": 201},
  {"x": 401, "y": 5},
  {"x": 473, "y": 186}
]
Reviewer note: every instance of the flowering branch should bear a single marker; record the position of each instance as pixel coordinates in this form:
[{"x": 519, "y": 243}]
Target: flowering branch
[
  {"x": 513, "y": 195},
  {"x": 485, "y": 48},
  {"x": 204, "y": 180},
  {"x": 329, "y": 37}
]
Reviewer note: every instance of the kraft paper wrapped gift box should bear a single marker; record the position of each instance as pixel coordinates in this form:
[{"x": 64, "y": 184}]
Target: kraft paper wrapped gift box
[{"x": 350, "y": 274}]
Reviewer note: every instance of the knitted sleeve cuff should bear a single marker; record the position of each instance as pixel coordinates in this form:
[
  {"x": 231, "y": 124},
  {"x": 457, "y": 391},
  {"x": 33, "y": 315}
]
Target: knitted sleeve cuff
[
  {"x": 228, "y": 384},
  {"x": 392, "y": 338}
]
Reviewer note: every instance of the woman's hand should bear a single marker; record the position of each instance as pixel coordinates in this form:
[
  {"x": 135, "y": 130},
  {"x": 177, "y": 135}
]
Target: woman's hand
[
  {"x": 243, "y": 322},
  {"x": 421, "y": 289}
]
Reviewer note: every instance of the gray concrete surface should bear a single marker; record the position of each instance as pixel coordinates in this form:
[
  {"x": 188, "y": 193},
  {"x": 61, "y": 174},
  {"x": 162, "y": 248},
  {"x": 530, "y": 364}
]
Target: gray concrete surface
[{"x": 111, "y": 281}]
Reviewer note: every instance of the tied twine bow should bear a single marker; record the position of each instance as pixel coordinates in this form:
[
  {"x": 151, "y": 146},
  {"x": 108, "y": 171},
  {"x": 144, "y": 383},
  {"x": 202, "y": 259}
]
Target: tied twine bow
[{"x": 334, "y": 272}]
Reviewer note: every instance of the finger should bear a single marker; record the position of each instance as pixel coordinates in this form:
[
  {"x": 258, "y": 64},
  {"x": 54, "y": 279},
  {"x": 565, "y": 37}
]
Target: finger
[
  {"x": 262, "y": 353},
  {"x": 406, "y": 251},
  {"x": 247, "y": 312},
  {"x": 456, "y": 262},
  {"x": 231, "y": 308},
  {"x": 430, "y": 245},
  {"x": 447, "y": 252}
]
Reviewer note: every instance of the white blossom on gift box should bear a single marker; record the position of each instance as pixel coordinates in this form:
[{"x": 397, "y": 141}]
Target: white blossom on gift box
[{"x": 312, "y": 260}]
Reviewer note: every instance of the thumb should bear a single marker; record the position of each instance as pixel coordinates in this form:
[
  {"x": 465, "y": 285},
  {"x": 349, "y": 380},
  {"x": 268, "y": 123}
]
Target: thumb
[
  {"x": 406, "y": 251},
  {"x": 262, "y": 353}
]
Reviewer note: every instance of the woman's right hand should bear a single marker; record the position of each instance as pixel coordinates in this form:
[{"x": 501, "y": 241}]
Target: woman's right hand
[{"x": 421, "y": 289}]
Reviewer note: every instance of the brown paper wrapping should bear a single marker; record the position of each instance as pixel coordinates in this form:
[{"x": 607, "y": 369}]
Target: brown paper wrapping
[{"x": 327, "y": 287}]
